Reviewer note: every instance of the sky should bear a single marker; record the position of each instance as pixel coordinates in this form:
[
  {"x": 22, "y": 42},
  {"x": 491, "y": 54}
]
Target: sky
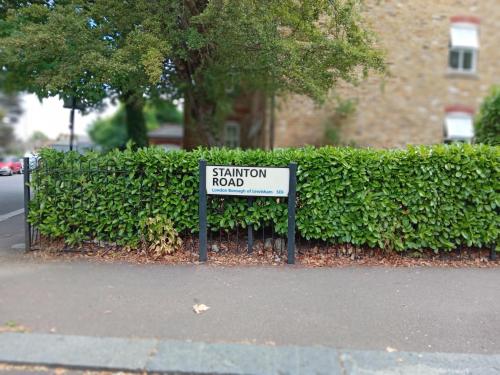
[{"x": 51, "y": 118}]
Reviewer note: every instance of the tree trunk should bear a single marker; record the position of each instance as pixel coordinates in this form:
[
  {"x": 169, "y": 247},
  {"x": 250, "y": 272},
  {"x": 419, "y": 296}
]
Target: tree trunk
[
  {"x": 134, "y": 119},
  {"x": 199, "y": 123}
]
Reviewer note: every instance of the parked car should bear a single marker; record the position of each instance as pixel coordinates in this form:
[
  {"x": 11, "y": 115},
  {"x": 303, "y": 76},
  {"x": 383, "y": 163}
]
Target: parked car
[
  {"x": 11, "y": 163},
  {"x": 6, "y": 171}
]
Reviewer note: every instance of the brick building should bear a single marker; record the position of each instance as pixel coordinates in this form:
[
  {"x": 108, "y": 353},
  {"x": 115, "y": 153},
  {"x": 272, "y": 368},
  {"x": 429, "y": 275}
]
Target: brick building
[{"x": 443, "y": 57}]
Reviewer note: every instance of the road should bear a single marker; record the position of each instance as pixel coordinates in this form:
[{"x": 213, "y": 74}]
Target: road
[{"x": 11, "y": 193}]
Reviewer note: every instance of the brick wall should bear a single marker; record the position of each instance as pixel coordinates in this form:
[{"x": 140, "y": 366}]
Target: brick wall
[{"x": 408, "y": 106}]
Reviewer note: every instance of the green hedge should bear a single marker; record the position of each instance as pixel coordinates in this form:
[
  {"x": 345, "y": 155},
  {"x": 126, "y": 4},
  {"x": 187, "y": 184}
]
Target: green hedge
[{"x": 436, "y": 197}]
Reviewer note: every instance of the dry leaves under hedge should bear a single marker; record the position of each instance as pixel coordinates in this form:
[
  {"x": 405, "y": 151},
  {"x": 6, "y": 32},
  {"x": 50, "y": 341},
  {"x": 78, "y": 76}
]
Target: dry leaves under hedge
[{"x": 232, "y": 254}]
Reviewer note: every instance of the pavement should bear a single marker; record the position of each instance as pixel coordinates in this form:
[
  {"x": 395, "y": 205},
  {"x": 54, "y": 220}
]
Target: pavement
[
  {"x": 320, "y": 311},
  {"x": 431, "y": 309}
]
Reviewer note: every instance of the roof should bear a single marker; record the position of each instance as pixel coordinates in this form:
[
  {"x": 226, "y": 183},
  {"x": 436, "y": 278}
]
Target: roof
[{"x": 167, "y": 131}]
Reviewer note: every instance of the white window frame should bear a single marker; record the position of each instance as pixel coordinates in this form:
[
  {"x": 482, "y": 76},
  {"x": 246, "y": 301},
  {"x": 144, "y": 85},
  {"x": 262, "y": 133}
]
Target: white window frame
[
  {"x": 229, "y": 140},
  {"x": 470, "y": 45},
  {"x": 461, "y": 51}
]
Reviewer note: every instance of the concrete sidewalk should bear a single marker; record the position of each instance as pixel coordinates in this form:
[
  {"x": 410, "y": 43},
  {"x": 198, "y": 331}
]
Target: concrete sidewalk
[
  {"x": 419, "y": 309},
  {"x": 174, "y": 357}
]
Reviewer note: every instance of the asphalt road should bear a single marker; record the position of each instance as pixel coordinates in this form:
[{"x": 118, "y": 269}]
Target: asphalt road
[
  {"x": 11, "y": 193},
  {"x": 410, "y": 309}
]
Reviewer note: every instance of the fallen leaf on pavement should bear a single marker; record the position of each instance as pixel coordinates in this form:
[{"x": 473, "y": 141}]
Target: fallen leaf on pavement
[{"x": 200, "y": 307}]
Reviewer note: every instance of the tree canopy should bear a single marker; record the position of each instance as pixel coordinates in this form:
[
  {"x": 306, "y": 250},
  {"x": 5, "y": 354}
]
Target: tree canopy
[{"x": 204, "y": 51}]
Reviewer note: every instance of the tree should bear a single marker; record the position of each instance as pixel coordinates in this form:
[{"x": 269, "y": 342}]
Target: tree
[
  {"x": 38, "y": 136},
  {"x": 207, "y": 52},
  {"x": 36, "y": 140},
  {"x": 488, "y": 120},
  {"x": 111, "y": 132},
  {"x": 10, "y": 110}
]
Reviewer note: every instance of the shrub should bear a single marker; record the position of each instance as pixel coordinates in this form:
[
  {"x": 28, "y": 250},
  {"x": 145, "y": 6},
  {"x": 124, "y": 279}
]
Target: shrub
[
  {"x": 488, "y": 120},
  {"x": 436, "y": 197},
  {"x": 159, "y": 236}
]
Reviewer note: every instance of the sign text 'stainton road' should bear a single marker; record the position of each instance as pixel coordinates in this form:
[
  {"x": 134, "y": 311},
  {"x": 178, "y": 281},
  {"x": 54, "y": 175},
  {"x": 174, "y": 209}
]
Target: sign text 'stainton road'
[{"x": 247, "y": 181}]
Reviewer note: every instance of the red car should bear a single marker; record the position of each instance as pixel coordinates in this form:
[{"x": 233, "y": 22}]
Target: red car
[{"x": 11, "y": 163}]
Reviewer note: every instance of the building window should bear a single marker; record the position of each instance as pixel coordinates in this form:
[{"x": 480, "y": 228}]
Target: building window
[
  {"x": 459, "y": 124},
  {"x": 463, "y": 60},
  {"x": 232, "y": 134},
  {"x": 464, "y": 45}
]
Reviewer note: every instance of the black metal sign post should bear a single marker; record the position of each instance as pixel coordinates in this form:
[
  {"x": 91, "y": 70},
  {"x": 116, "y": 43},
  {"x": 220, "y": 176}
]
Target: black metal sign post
[
  {"x": 291, "y": 212},
  {"x": 27, "y": 226},
  {"x": 202, "y": 210},
  {"x": 250, "y": 229}
]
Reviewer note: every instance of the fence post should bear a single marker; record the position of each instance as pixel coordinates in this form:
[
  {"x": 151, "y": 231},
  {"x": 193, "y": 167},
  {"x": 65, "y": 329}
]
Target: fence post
[
  {"x": 250, "y": 229},
  {"x": 291, "y": 212},
  {"x": 202, "y": 210},
  {"x": 27, "y": 226},
  {"x": 493, "y": 252}
]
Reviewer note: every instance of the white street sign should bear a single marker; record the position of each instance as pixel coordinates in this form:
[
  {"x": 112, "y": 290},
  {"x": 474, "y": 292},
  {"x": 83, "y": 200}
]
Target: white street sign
[{"x": 247, "y": 181}]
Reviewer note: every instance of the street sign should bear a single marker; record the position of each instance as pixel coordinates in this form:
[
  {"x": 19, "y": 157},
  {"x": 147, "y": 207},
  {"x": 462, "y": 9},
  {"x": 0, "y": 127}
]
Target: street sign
[
  {"x": 250, "y": 182},
  {"x": 247, "y": 181}
]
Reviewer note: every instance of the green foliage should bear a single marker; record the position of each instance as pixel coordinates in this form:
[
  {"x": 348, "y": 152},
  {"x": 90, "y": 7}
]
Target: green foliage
[
  {"x": 488, "y": 121},
  {"x": 344, "y": 109},
  {"x": 436, "y": 197},
  {"x": 161, "y": 111},
  {"x": 38, "y": 136},
  {"x": 204, "y": 51},
  {"x": 111, "y": 132}
]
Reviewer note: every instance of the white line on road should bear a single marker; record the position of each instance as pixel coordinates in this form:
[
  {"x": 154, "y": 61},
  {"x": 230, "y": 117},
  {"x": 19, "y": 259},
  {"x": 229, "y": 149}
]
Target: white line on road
[{"x": 11, "y": 214}]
